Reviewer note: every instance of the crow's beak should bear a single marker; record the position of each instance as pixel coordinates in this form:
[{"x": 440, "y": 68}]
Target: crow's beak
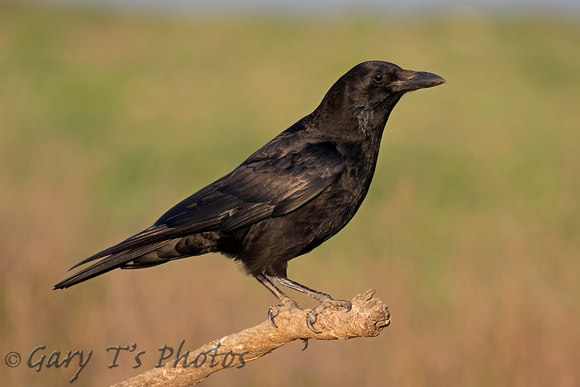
[{"x": 413, "y": 80}]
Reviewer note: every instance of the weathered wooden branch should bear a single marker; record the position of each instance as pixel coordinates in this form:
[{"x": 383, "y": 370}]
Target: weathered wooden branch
[{"x": 367, "y": 318}]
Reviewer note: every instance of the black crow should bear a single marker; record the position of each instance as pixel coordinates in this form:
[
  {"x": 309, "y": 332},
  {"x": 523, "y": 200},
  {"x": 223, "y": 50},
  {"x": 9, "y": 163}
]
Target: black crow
[{"x": 288, "y": 197}]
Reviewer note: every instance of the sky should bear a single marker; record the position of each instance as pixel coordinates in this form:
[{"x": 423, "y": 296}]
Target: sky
[{"x": 334, "y": 6}]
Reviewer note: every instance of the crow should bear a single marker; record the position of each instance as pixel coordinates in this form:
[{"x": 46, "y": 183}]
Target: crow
[{"x": 287, "y": 198}]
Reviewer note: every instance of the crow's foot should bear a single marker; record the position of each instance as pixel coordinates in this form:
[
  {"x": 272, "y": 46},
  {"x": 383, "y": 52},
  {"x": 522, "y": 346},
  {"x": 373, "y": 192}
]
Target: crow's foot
[
  {"x": 328, "y": 303},
  {"x": 286, "y": 303}
]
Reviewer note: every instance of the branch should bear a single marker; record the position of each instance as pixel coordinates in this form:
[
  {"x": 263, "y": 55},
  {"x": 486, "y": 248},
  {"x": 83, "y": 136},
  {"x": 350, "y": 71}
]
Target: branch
[{"x": 367, "y": 318}]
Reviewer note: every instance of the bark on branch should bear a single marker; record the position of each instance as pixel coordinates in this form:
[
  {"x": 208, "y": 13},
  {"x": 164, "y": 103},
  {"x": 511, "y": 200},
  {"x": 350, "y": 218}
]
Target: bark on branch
[{"x": 367, "y": 318}]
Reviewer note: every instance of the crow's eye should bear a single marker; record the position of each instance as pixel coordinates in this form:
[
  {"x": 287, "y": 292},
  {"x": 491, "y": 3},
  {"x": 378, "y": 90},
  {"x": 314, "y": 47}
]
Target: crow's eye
[{"x": 378, "y": 77}]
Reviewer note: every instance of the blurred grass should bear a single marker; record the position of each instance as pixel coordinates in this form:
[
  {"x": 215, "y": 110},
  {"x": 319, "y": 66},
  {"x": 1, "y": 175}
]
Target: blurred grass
[{"x": 470, "y": 232}]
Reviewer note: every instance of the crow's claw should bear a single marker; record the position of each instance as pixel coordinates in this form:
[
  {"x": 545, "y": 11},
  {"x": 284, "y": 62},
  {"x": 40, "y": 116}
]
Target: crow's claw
[
  {"x": 275, "y": 309},
  {"x": 273, "y": 312},
  {"x": 311, "y": 319},
  {"x": 328, "y": 303}
]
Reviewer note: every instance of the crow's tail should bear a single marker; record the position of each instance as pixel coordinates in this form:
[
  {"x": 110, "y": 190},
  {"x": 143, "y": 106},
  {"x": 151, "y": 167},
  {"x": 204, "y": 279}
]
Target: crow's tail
[{"x": 111, "y": 262}]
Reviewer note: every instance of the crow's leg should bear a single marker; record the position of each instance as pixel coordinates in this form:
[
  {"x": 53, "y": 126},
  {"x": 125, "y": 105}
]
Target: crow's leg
[
  {"x": 285, "y": 301},
  {"x": 326, "y": 301}
]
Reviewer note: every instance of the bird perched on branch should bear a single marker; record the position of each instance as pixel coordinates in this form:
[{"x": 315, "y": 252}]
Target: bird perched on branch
[{"x": 287, "y": 198}]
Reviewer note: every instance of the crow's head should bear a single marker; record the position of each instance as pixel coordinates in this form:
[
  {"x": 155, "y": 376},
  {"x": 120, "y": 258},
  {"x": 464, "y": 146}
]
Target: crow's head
[
  {"x": 376, "y": 82},
  {"x": 366, "y": 95}
]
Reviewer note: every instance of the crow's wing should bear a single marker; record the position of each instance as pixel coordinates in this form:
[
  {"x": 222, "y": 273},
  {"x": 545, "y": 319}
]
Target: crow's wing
[
  {"x": 272, "y": 182},
  {"x": 262, "y": 187}
]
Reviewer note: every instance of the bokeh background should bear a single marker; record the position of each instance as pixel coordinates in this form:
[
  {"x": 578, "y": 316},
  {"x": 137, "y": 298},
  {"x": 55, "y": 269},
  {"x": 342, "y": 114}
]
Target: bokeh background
[{"x": 470, "y": 233}]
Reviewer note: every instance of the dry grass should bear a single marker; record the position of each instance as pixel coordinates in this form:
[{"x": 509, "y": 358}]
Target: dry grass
[{"x": 470, "y": 233}]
